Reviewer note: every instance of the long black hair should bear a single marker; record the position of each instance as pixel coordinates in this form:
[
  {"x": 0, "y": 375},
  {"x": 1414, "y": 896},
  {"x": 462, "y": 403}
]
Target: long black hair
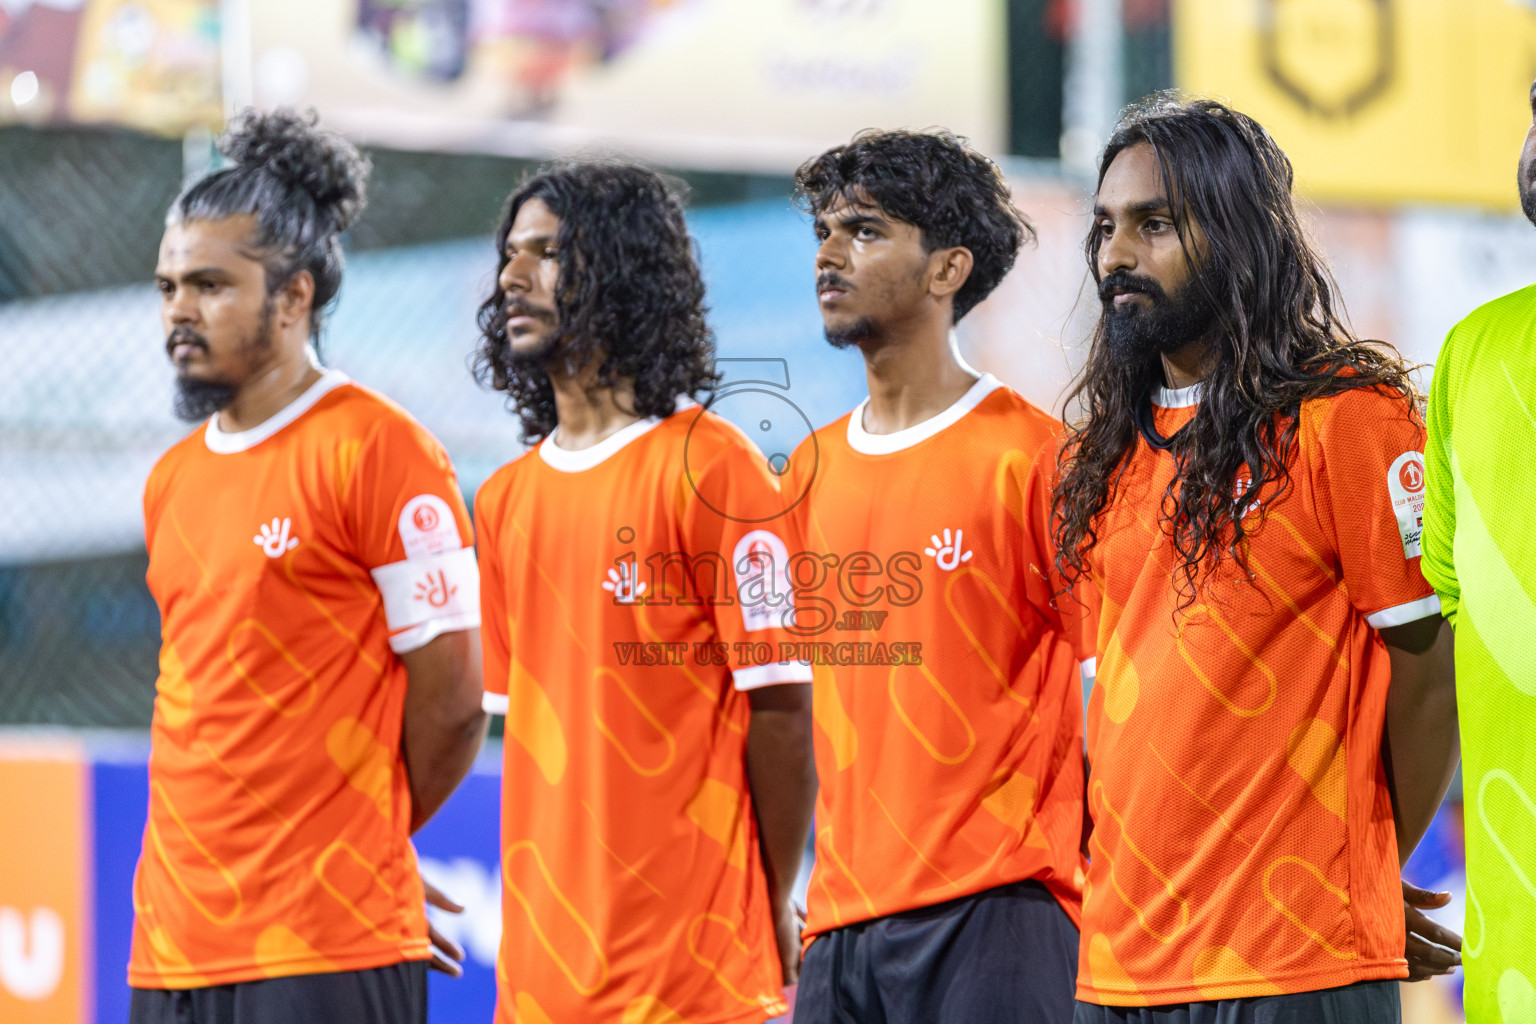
[
  {"x": 303, "y": 185},
  {"x": 937, "y": 183},
  {"x": 1282, "y": 340},
  {"x": 629, "y": 293}
]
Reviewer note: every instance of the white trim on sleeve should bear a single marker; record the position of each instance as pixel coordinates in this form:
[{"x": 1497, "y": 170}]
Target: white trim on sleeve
[
  {"x": 773, "y": 674},
  {"x": 424, "y": 633},
  {"x": 494, "y": 703},
  {"x": 427, "y": 596},
  {"x": 1402, "y": 614},
  {"x": 1090, "y": 670}
]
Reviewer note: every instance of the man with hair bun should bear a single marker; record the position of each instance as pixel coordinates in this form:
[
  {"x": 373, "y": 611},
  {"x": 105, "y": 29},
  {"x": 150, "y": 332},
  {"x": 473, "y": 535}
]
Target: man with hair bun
[
  {"x": 948, "y": 869},
  {"x": 311, "y": 557}
]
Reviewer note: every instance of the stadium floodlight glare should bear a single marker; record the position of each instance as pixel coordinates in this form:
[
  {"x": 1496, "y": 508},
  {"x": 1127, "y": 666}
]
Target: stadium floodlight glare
[{"x": 24, "y": 88}]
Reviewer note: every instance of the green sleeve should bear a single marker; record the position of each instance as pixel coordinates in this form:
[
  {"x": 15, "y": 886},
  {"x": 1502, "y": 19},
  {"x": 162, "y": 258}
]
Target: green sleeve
[{"x": 1439, "y": 561}]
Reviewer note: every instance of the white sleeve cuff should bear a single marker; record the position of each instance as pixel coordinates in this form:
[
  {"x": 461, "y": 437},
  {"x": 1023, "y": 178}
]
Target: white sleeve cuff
[
  {"x": 424, "y": 633},
  {"x": 1402, "y": 614},
  {"x": 1090, "y": 670},
  {"x": 772, "y": 675},
  {"x": 494, "y": 703},
  {"x": 429, "y": 595}
]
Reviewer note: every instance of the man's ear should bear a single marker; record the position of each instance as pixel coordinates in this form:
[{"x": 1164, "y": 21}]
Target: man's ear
[
  {"x": 295, "y": 300},
  {"x": 949, "y": 270}
]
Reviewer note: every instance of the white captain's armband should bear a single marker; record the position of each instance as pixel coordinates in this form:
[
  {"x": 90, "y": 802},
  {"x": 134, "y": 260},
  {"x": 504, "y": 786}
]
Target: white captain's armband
[
  {"x": 761, "y": 564},
  {"x": 428, "y": 596},
  {"x": 495, "y": 703}
]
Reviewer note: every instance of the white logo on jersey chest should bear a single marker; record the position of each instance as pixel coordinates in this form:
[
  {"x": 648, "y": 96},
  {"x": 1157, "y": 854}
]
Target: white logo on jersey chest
[
  {"x": 949, "y": 554},
  {"x": 274, "y": 539}
]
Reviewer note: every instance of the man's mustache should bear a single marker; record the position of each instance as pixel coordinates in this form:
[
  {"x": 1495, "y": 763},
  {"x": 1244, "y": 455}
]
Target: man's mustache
[
  {"x": 830, "y": 279},
  {"x": 517, "y": 307},
  {"x": 184, "y": 336},
  {"x": 1122, "y": 283}
]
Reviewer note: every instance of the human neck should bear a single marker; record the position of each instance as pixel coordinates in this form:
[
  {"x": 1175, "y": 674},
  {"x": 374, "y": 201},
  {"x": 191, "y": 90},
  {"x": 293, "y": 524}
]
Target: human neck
[
  {"x": 913, "y": 379},
  {"x": 269, "y": 391},
  {"x": 586, "y": 414},
  {"x": 1189, "y": 365}
]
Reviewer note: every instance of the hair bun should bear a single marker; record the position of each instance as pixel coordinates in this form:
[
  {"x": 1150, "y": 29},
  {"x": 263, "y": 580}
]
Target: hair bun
[{"x": 292, "y": 148}]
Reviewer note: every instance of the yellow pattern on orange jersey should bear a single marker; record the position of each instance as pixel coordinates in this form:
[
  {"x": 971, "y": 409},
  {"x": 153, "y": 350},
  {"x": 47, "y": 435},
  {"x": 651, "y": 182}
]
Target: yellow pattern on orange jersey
[
  {"x": 948, "y": 703},
  {"x": 1243, "y": 842},
  {"x": 620, "y": 633},
  {"x": 278, "y": 833}
]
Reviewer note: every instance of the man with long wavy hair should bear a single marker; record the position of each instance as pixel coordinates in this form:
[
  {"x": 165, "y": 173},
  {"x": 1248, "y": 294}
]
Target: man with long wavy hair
[
  {"x": 949, "y": 870},
  {"x": 658, "y": 781},
  {"x": 1240, "y": 505}
]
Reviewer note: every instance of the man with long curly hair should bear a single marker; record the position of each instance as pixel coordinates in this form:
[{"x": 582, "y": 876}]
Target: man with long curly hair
[
  {"x": 1241, "y": 505},
  {"x": 658, "y": 782},
  {"x": 948, "y": 871},
  {"x": 319, "y": 689}
]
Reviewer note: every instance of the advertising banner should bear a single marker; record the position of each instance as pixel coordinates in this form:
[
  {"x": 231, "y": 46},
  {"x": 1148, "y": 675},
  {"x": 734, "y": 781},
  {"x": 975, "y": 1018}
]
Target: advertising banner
[
  {"x": 150, "y": 64},
  {"x": 45, "y": 941},
  {"x": 1374, "y": 100},
  {"x": 722, "y": 83}
]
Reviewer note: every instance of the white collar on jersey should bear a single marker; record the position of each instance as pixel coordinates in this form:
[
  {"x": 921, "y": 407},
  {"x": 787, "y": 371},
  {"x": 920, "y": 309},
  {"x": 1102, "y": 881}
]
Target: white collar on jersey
[
  {"x": 222, "y": 442},
  {"x": 568, "y": 461},
  {"x": 1178, "y": 398},
  {"x": 861, "y": 440}
]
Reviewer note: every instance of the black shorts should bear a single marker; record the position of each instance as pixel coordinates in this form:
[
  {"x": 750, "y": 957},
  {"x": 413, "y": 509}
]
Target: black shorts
[
  {"x": 396, "y": 994},
  {"x": 1365, "y": 1002},
  {"x": 1006, "y": 954}
]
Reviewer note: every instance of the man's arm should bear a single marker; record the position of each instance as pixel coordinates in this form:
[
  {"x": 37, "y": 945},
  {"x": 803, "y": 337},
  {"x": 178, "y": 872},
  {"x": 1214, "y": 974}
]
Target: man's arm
[
  {"x": 781, "y": 770},
  {"x": 1423, "y": 743},
  {"x": 444, "y": 724},
  {"x": 1421, "y": 747}
]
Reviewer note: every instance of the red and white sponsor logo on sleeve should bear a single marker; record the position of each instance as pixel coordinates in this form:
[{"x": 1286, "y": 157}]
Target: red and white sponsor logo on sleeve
[
  {"x": 1405, "y": 485},
  {"x": 427, "y": 526}
]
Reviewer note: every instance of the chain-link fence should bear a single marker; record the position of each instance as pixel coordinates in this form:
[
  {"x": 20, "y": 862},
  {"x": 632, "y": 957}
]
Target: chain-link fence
[{"x": 85, "y": 402}]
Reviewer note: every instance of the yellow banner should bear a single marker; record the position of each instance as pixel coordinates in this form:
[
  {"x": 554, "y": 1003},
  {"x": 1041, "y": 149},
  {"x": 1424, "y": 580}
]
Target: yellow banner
[{"x": 1374, "y": 100}]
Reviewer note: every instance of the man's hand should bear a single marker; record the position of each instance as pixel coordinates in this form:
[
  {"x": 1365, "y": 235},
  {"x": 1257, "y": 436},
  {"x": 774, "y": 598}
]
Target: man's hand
[
  {"x": 1432, "y": 949},
  {"x": 447, "y": 955},
  {"x": 787, "y": 926}
]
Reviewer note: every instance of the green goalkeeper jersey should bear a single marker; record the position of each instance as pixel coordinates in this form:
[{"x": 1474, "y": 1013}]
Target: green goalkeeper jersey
[{"x": 1480, "y": 555}]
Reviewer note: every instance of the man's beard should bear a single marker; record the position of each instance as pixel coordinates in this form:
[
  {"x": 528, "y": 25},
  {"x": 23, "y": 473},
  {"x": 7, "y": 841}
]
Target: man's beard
[
  {"x": 198, "y": 398},
  {"x": 857, "y": 333},
  {"x": 541, "y": 354},
  {"x": 1136, "y": 334},
  {"x": 1527, "y": 191}
]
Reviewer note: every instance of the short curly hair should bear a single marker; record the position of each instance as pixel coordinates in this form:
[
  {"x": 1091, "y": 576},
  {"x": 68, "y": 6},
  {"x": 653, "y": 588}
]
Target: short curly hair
[
  {"x": 629, "y": 292},
  {"x": 934, "y": 181},
  {"x": 304, "y": 186}
]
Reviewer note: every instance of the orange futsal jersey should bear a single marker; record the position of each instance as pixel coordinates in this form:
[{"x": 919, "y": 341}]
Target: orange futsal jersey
[
  {"x": 1243, "y": 841},
  {"x": 290, "y": 562},
  {"x": 947, "y": 699},
  {"x": 633, "y": 590}
]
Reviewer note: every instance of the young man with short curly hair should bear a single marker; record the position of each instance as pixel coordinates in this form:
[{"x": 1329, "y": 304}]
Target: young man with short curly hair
[{"x": 949, "y": 747}]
